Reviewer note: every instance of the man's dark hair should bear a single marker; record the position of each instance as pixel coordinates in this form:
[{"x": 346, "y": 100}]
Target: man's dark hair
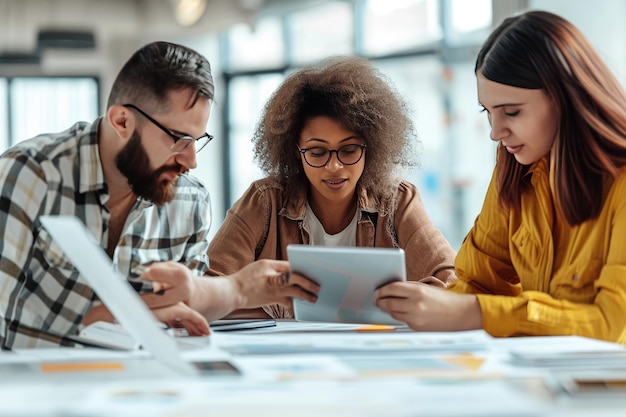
[{"x": 155, "y": 70}]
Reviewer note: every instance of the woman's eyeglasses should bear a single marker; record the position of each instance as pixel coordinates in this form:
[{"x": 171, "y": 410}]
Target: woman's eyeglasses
[{"x": 319, "y": 156}]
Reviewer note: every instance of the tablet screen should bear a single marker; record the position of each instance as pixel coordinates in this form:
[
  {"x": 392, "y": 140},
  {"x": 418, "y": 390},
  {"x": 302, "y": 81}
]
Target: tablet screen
[{"x": 348, "y": 277}]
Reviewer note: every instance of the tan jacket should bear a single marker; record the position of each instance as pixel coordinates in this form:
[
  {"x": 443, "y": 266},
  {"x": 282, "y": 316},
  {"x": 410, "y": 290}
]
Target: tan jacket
[{"x": 265, "y": 220}]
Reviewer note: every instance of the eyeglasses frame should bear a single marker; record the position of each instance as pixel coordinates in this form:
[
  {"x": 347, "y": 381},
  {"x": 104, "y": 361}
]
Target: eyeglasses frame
[
  {"x": 176, "y": 138},
  {"x": 330, "y": 154}
]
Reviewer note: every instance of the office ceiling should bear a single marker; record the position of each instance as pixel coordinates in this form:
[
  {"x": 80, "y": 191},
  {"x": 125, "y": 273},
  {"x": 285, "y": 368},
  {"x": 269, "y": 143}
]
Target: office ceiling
[
  {"x": 22, "y": 20},
  {"x": 74, "y": 36}
]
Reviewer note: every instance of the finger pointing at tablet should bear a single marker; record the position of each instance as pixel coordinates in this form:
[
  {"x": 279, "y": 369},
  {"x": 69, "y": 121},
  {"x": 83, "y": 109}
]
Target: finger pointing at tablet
[{"x": 269, "y": 282}]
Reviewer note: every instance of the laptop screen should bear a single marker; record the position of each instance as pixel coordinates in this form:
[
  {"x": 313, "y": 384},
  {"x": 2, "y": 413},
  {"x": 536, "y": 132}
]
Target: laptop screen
[{"x": 116, "y": 293}]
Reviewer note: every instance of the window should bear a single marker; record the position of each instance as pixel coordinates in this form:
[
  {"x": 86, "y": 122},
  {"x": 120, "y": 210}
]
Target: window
[
  {"x": 255, "y": 47},
  {"x": 249, "y": 95},
  {"x": 399, "y": 25},
  {"x": 4, "y": 115},
  {"x": 316, "y": 33},
  {"x": 419, "y": 81},
  {"x": 470, "y": 21},
  {"x": 42, "y": 105}
]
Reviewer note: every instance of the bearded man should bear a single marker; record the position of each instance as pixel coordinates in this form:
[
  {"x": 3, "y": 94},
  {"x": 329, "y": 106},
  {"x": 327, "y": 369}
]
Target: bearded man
[{"x": 126, "y": 177}]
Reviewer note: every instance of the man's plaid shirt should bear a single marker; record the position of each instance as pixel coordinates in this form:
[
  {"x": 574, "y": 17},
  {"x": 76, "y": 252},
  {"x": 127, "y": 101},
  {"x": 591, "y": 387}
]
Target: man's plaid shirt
[{"x": 41, "y": 293}]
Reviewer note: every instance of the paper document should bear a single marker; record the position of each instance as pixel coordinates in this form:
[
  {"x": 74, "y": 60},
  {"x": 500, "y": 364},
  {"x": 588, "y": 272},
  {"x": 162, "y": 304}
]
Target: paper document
[
  {"x": 242, "y": 344},
  {"x": 113, "y": 336}
]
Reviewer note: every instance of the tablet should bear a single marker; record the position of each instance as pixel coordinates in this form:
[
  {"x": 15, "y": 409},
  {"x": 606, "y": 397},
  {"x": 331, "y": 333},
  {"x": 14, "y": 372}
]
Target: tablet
[
  {"x": 348, "y": 277},
  {"x": 231, "y": 325},
  {"x": 227, "y": 325}
]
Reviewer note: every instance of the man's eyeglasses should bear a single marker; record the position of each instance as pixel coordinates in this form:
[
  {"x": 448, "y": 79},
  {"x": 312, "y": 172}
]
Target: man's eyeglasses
[
  {"x": 181, "y": 142},
  {"x": 318, "y": 156}
]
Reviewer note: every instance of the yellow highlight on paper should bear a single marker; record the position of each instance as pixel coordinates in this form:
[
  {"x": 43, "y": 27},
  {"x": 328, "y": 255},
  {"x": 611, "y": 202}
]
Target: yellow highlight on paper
[{"x": 82, "y": 367}]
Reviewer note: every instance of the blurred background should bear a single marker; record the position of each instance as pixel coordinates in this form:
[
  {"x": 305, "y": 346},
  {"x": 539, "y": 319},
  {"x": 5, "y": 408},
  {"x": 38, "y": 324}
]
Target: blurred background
[{"x": 58, "y": 59}]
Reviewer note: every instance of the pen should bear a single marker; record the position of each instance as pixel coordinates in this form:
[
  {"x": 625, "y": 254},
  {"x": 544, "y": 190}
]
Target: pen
[{"x": 146, "y": 286}]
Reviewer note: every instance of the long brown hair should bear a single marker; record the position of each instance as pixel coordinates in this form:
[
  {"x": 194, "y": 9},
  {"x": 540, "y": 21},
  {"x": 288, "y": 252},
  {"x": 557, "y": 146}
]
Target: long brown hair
[{"x": 540, "y": 50}]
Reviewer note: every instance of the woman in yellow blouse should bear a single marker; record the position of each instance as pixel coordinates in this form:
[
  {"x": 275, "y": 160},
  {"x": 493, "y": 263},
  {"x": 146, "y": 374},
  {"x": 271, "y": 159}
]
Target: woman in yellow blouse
[{"x": 547, "y": 254}]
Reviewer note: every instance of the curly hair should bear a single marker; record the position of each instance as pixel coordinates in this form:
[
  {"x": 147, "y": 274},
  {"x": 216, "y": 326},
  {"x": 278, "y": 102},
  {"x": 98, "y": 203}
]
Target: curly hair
[{"x": 351, "y": 91}]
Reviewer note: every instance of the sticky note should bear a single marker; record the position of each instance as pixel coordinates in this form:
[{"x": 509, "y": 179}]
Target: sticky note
[
  {"x": 376, "y": 328},
  {"x": 81, "y": 367}
]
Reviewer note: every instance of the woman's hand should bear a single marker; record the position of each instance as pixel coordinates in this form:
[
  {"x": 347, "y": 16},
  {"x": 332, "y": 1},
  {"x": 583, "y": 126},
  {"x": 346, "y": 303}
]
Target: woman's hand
[
  {"x": 427, "y": 308},
  {"x": 270, "y": 282},
  {"x": 257, "y": 284}
]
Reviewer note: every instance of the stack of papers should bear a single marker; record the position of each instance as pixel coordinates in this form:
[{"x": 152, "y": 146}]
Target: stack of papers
[{"x": 592, "y": 359}]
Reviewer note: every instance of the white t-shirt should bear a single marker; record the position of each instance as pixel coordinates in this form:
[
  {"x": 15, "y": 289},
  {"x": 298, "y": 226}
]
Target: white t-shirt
[{"x": 347, "y": 237}]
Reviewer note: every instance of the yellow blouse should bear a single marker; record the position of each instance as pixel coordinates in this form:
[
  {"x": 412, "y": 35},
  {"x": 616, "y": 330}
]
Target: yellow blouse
[{"x": 534, "y": 274}]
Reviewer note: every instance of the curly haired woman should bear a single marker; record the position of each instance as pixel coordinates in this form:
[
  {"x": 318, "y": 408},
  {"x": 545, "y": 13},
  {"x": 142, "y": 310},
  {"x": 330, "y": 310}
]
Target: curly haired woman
[{"x": 331, "y": 141}]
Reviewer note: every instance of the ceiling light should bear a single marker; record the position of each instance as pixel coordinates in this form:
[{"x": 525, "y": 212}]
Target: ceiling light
[{"x": 189, "y": 12}]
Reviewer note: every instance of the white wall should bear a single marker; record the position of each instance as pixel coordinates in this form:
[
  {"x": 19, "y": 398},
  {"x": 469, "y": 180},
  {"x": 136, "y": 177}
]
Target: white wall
[{"x": 602, "y": 22}]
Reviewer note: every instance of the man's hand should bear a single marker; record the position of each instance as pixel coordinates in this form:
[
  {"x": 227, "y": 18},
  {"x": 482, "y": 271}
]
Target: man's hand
[
  {"x": 270, "y": 282},
  {"x": 259, "y": 283},
  {"x": 176, "y": 315},
  {"x": 182, "y": 316},
  {"x": 173, "y": 283},
  {"x": 427, "y": 308}
]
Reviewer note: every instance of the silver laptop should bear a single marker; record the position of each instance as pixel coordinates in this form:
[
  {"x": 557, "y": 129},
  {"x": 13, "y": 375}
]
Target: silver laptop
[
  {"x": 123, "y": 302},
  {"x": 348, "y": 277}
]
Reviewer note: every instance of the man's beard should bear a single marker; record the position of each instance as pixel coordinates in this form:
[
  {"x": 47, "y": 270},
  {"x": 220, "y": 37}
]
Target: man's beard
[{"x": 133, "y": 162}]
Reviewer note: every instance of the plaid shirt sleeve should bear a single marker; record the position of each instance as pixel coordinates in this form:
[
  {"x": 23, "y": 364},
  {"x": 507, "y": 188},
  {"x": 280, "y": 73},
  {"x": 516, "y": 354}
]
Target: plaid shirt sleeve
[{"x": 21, "y": 202}]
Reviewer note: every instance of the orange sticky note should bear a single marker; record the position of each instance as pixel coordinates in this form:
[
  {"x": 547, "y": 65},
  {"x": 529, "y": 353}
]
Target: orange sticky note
[
  {"x": 82, "y": 367},
  {"x": 465, "y": 360},
  {"x": 376, "y": 328}
]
